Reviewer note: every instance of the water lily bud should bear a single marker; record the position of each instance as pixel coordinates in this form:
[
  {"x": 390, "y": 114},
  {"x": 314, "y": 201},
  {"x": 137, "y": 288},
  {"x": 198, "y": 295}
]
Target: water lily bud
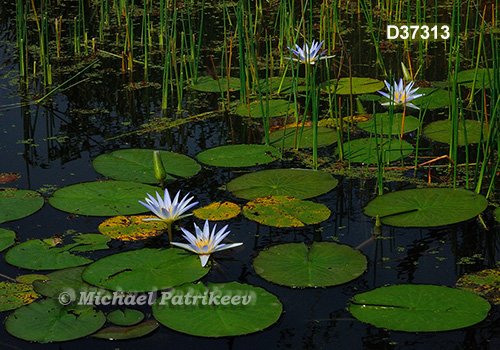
[
  {"x": 160, "y": 173},
  {"x": 406, "y": 73}
]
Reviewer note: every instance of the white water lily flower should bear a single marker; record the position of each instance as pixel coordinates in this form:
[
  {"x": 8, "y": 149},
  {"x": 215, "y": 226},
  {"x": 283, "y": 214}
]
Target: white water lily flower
[
  {"x": 205, "y": 242},
  {"x": 308, "y": 55},
  {"x": 400, "y": 95},
  {"x": 166, "y": 209}
]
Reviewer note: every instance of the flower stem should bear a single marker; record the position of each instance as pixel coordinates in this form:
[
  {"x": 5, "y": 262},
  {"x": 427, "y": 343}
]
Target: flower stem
[{"x": 169, "y": 226}]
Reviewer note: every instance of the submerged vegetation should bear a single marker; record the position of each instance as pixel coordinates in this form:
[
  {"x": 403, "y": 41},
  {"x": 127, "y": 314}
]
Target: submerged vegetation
[{"x": 283, "y": 103}]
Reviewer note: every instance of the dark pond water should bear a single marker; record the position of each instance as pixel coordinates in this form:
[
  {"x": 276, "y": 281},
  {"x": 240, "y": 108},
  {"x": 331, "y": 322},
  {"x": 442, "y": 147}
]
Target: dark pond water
[{"x": 52, "y": 145}]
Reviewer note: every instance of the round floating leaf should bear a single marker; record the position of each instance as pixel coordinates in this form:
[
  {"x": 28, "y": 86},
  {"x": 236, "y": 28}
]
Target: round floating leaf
[
  {"x": 483, "y": 77},
  {"x": 279, "y": 138},
  {"x": 218, "y": 211},
  {"x": 298, "y": 183},
  {"x": 239, "y": 155},
  {"x": 441, "y": 131},
  {"x": 272, "y": 108},
  {"x": 365, "y": 150},
  {"x": 419, "y": 308},
  {"x": 231, "y": 308},
  {"x": 120, "y": 333},
  {"x": 40, "y": 255},
  {"x": 322, "y": 264},
  {"x": 137, "y": 165},
  {"x": 485, "y": 283},
  {"x": 276, "y": 85},
  {"x": 127, "y": 317},
  {"x": 102, "y": 198},
  {"x": 426, "y": 207},
  {"x": 68, "y": 281},
  {"x": 6, "y": 177},
  {"x": 282, "y": 211},
  {"x": 387, "y": 125},
  {"x": 145, "y": 270},
  {"x": 14, "y": 295},
  {"x": 7, "y": 238},
  {"x": 497, "y": 214},
  {"x": 17, "y": 204},
  {"x": 90, "y": 242},
  {"x": 432, "y": 99},
  {"x": 30, "y": 278},
  {"x": 49, "y": 321},
  {"x": 359, "y": 86},
  {"x": 209, "y": 84},
  {"x": 131, "y": 228}
]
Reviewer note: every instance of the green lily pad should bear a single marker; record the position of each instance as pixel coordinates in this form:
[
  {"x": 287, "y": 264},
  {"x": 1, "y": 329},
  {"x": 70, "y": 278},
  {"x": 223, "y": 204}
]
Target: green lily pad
[
  {"x": 419, "y": 308},
  {"x": 68, "y": 281},
  {"x": 218, "y": 211},
  {"x": 48, "y": 321},
  {"x": 298, "y": 183},
  {"x": 441, "y": 131},
  {"x": 137, "y": 165},
  {"x": 127, "y": 317},
  {"x": 37, "y": 254},
  {"x": 102, "y": 198},
  {"x": 432, "y": 99},
  {"x": 484, "y": 77},
  {"x": 232, "y": 308},
  {"x": 7, "y": 238},
  {"x": 14, "y": 295},
  {"x": 386, "y": 125},
  {"x": 359, "y": 86},
  {"x": 131, "y": 228},
  {"x": 30, "y": 278},
  {"x": 132, "y": 332},
  {"x": 326, "y": 137},
  {"x": 279, "y": 84},
  {"x": 322, "y": 264},
  {"x": 90, "y": 242},
  {"x": 17, "y": 204},
  {"x": 145, "y": 270},
  {"x": 365, "y": 150},
  {"x": 209, "y": 84},
  {"x": 234, "y": 156},
  {"x": 426, "y": 207},
  {"x": 283, "y": 211},
  {"x": 485, "y": 283},
  {"x": 497, "y": 214},
  {"x": 272, "y": 108}
]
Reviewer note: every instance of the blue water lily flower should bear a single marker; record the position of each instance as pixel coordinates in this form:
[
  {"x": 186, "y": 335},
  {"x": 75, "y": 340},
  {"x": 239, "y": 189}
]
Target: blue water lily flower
[
  {"x": 166, "y": 209},
  {"x": 400, "y": 95},
  {"x": 308, "y": 55},
  {"x": 206, "y": 242}
]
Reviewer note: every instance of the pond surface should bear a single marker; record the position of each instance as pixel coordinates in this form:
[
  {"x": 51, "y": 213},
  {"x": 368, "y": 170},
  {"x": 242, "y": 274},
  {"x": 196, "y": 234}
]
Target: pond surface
[{"x": 52, "y": 144}]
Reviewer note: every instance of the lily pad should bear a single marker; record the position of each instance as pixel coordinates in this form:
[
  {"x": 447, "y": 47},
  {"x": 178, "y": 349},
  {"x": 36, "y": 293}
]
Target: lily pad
[
  {"x": 48, "y": 321},
  {"x": 386, "y": 125},
  {"x": 132, "y": 332},
  {"x": 137, "y": 165},
  {"x": 102, "y": 198},
  {"x": 131, "y": 228},
  {"x": 272, "y": 108},
  {"x": 234, "y": 156},
  {"x": 419, "y": 308},
  {"x": 365, "y": 150},
  {"x": 485, "y": 283},
  {"x": 145, "y": 270},
  {"x": 218, "y": 211},
  {"x": 298, "y": 183},
  {"x": 90, "y": 242},
  {"x": 14, "y": 295},
  {"x": 127, "y": 317},
  {"x": 426, "y": 207},
  {"x": 66, "y": 285},
  {"x": 283, "y": 211},
  {"x": 276, "y": 85},
  {"x": 37, "y": 254},
  {"x": 322, "y": 264},
  {"x": 17, "y": 204},
  {"x": 484, "y": 77},
  {"x": 359, "y": 86},
  {"x": 7, "y": 238},
  {"x": 326, "y": 137},
  {"x": 441, "y": 131},
  {"x": 232, "y": 308},
  {"x": 209, "y": 84},
  {"x": 432, "y": 99}
]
